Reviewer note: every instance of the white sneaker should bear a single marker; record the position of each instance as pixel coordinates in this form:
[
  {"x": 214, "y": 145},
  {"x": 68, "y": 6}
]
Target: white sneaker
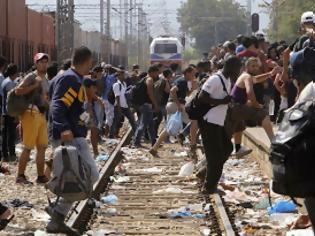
[{"x": 244, "y": 151}]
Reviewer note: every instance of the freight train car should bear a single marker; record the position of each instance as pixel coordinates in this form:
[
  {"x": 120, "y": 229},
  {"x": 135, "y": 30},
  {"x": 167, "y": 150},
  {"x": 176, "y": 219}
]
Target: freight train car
[{"x": 24, "y": 32}]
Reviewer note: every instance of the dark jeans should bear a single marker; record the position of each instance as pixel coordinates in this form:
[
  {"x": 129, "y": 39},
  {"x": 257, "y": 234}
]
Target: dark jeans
[
  {"x": 310, "y": 207},
  {"x": 158, "y": 118},
  {"x": 145, "y": 122},
  {"x": 8, "y": 136},
  {"x": 118, "y": 116},
  {"x": 218, "y": 147}
]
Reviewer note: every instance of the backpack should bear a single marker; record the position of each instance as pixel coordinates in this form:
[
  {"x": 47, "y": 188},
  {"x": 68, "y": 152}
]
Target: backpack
[
  {"x": 17, "y": 105},
  {"x": 292, "y": 152},
  {"x": 111, "y": 95},
  {"x": 71, "y": 175},
  {"x": 137, "y": 94},
  {"x": 197, "y": 110}
]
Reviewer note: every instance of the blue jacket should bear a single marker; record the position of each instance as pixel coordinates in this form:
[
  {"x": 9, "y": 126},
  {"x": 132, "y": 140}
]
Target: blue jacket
[{"x": 67, "y": 105}]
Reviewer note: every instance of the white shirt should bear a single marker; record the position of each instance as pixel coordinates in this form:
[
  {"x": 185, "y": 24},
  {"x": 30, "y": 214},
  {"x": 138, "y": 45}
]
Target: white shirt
[
  {"x": 119, "y": 89},
  {"x": 214, "y": 87},
  {"x": 308, "y": 93}
]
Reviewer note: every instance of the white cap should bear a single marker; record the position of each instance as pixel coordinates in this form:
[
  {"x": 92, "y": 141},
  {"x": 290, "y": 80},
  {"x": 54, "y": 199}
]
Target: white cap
[
  {"x": 308, "y": 17},
  {"x": 226, "y": 44}
]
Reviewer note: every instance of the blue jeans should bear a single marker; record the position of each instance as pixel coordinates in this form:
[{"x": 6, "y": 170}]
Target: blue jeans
[
  {"x": 118, "y": 117},
  {"x": 99, "y": 112},
  {"x": 145, "y": 122}
]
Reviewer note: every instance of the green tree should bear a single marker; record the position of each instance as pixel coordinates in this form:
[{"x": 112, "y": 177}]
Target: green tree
[
  {"x": 211, "y": 22},
  {"x": 285, "y": 17}
]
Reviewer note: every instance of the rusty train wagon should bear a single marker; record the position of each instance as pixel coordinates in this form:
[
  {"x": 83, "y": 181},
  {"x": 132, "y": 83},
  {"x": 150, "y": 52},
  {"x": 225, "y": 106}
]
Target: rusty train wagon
[{"x": 24, "y": 32}]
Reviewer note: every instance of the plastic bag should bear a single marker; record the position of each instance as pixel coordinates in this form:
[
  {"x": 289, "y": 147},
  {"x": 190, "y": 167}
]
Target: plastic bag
[
  {"x": 282, "y": 206},
  {"x": 187, "y": 169},
  {"x": 110, "y": 199},
  {"x": 174, "y": 124}
]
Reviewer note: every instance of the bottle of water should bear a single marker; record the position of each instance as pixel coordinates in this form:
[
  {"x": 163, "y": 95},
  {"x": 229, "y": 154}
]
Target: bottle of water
[{"x": 271, "y": 107}]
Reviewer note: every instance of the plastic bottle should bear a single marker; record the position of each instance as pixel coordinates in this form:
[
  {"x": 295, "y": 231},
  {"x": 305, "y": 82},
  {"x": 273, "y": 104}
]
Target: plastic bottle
[{"x": 271, "y": 107}]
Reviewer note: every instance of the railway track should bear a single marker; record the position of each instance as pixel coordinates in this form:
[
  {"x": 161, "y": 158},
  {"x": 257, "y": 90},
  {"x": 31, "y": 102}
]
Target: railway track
[{"x": 149, "y": 202}]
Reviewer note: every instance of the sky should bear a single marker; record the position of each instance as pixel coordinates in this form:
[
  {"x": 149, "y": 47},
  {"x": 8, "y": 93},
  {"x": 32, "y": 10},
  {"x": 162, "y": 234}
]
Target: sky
[{"x": 158, "y": 11}]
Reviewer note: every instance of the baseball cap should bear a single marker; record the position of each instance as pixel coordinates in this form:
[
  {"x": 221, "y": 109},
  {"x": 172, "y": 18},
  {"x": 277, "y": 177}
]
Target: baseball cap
[
  {"x": 226, "y": 44},
  {"x": 39, "y": 56},
  {"x": 88, "y": 82},
  {"x": 308, "y": 17}
]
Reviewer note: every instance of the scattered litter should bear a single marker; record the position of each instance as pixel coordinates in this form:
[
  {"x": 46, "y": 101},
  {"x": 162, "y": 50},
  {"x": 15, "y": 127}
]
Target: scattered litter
[
  {"x": 205, "y": 232},
  {"x": 180, "y": 154},
  {"x": 40, "y": 216},
  {"x": 120, "y": 169},
  {"x": 199, "y": 216},
  {"x": 246, "y": 205},
  {"x": 207, "y": 207},
  {"x": 101, "y": 232},
  {"x": 263, "y": 204},
  {"x": 171, "y": 190},
  {"x": 120, "y": 179},
  {"x": 283, "y": 219},
  {"x": 153, "y": 170},
  {"x": 110, "y": 199},
  {"x": 40, "y": 233},
  {"x": 19, "y": 203},
  {"x": 187, "y": 169},
  {"x": 300, "y": 232},
  {"x": 102, "y": 157},
  {"x": 235, "y": 162},
  {"x": 175, "y": 215},
  {"x": 237, "y": 197},
  {"x": 282, "y": 206},
  {"x": 111, "y": 212},
  {"x": 112, "y": 141}
]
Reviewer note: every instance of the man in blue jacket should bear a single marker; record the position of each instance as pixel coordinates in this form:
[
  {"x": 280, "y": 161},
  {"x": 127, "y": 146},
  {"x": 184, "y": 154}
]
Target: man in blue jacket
[{"x": 69, "y": 126}]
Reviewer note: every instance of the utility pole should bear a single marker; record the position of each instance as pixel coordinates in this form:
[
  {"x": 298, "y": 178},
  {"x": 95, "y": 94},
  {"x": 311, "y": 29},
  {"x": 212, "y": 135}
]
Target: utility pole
[
  {"x": 108, "y": 34},
  {"x": 126, "y": 29},
  {"x": 139, "y": 33},
  {"x": 102, "y": 17},
  {"x": 64, "y": 28},
  {"x": 121, "y": 18}
]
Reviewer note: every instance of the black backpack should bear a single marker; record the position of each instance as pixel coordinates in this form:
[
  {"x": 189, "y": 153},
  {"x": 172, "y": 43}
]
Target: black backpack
[
  {"x": 137, "y": 94},
  {"x": 197, "y": 110},
  {"x": 111, "y": 95},
  {"x": 293, "y": 154}
]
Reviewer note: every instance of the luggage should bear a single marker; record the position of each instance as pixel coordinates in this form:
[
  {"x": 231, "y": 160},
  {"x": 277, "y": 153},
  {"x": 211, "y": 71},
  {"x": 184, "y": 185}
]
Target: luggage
[
  {"x": 71, "y": 178},
  {"x": 293, "y": 154}
]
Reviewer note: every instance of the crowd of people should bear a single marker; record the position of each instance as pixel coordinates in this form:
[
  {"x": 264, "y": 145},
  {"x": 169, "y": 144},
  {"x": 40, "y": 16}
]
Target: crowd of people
[{"x": 245, "y": 82}]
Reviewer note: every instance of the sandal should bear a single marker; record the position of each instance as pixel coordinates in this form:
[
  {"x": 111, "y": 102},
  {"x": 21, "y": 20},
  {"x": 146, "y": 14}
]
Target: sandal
[
  {"x": 5, "y": 222},
  {"x": 4, "y": 170}
]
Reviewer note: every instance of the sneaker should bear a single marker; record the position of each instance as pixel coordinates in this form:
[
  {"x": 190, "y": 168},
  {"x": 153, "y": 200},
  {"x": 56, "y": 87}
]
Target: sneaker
[
  {"x": 244, "y": 151},
  {"x": 42, "y": 179},
  {"x": 23, "y": 180},
  {"x": 61, "y": 228}
]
